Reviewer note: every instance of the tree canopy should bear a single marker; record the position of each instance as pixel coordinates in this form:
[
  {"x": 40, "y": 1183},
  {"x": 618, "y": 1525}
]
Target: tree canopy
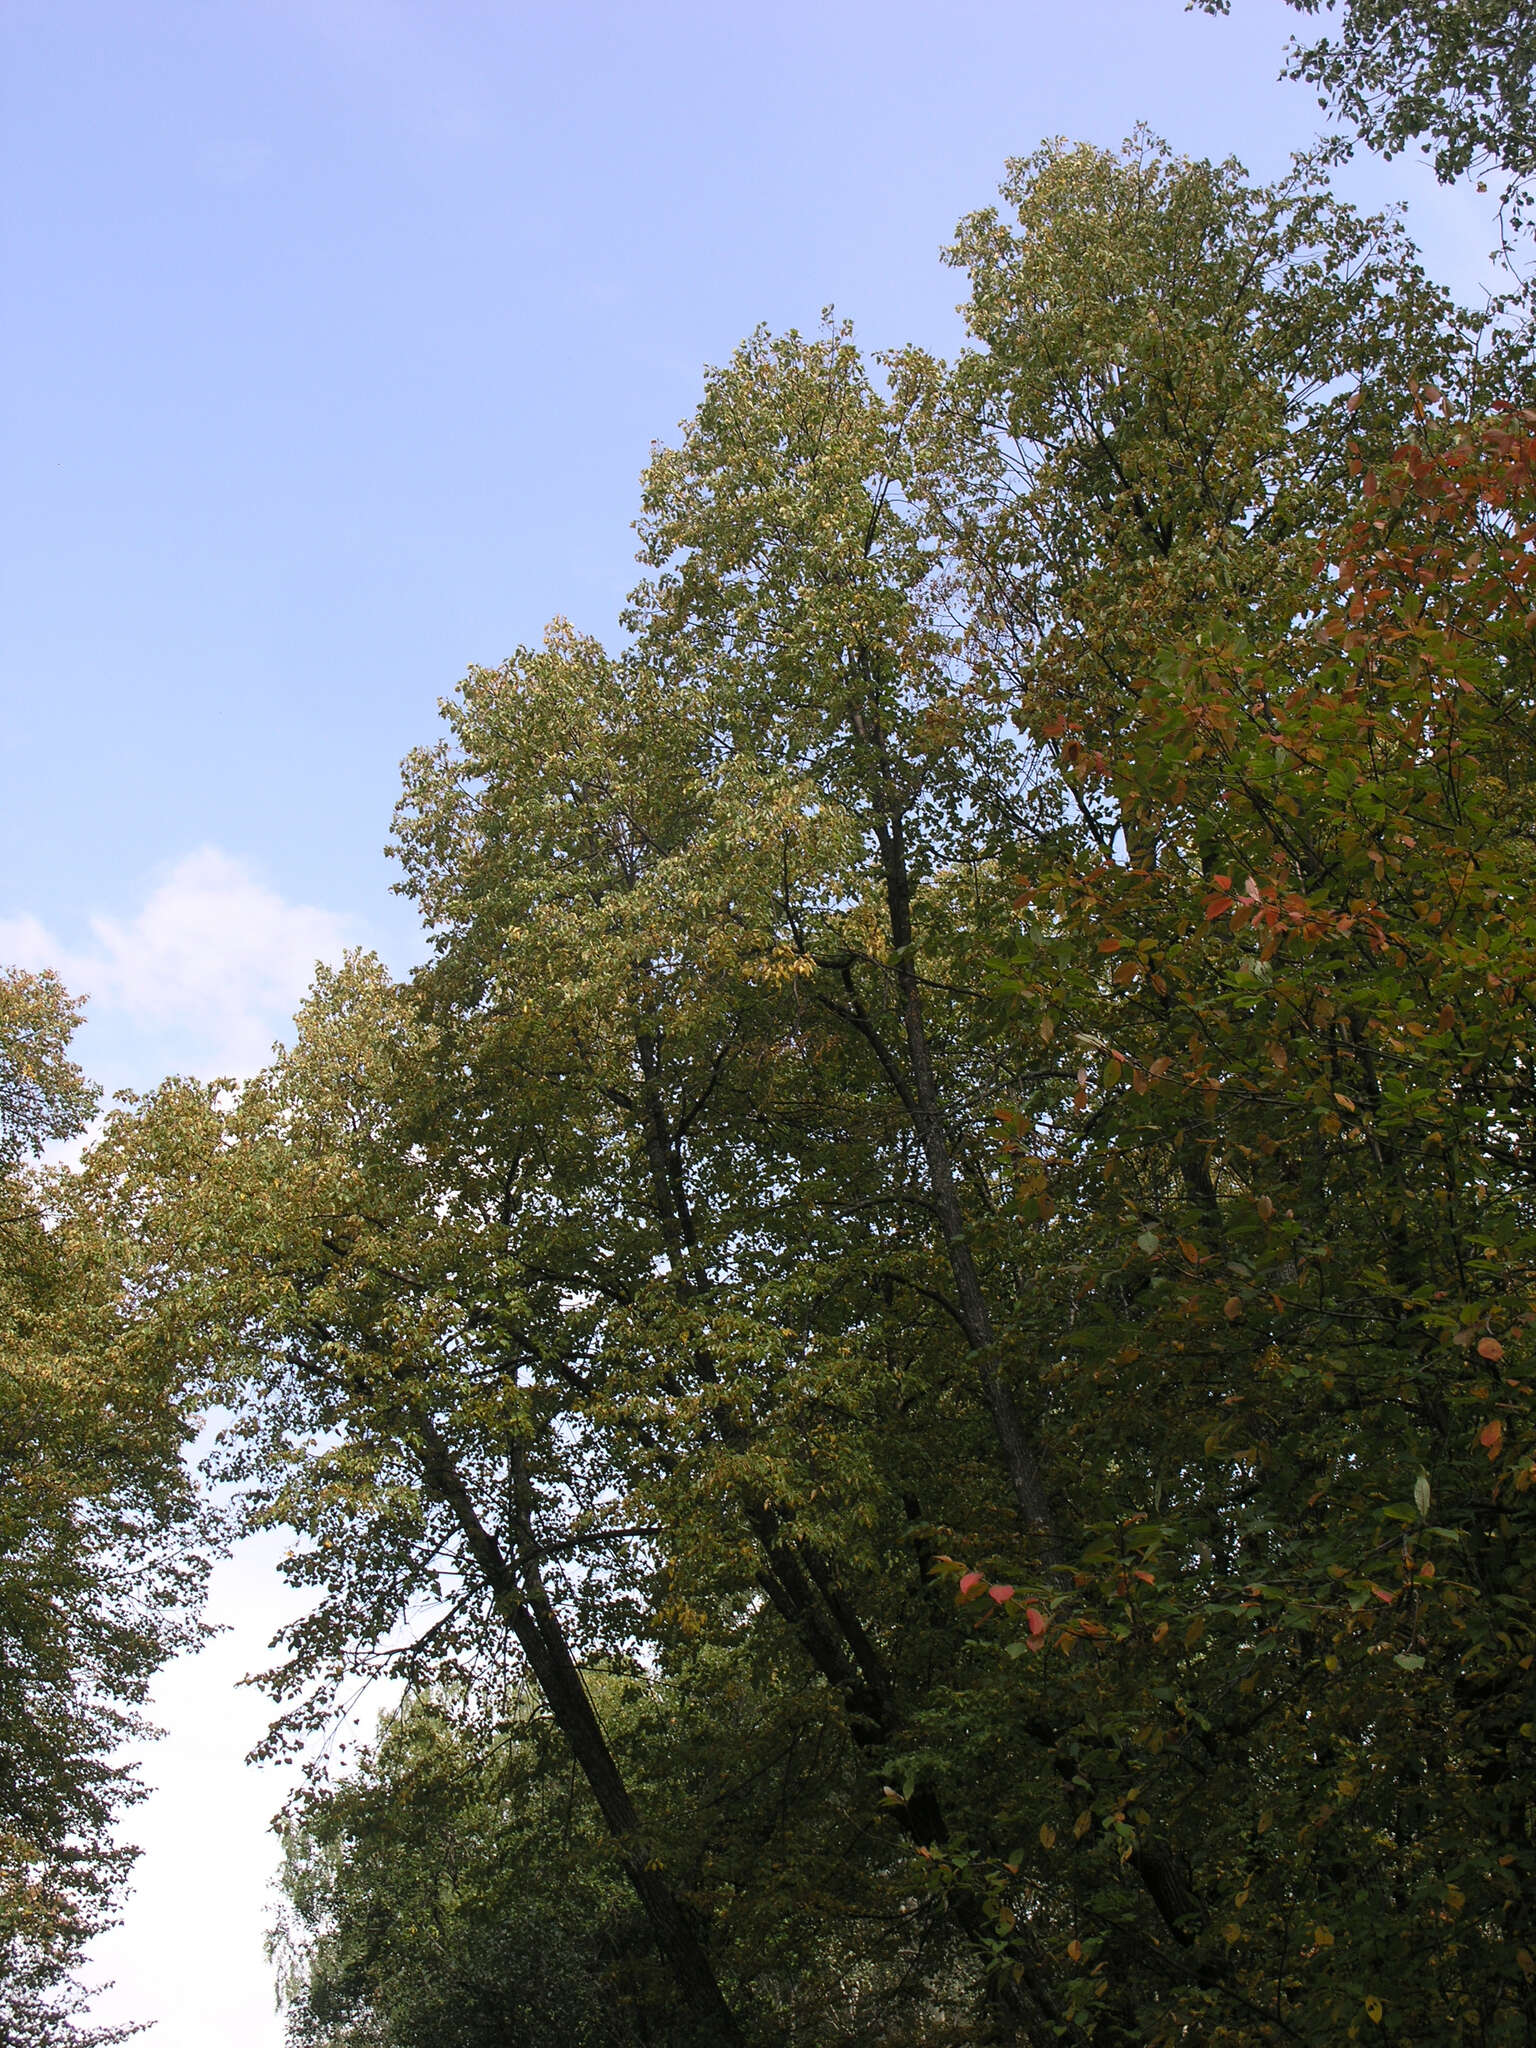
[
  {"x": 912, "y": 1338},
  {"x": 914, "y": 1322},
  {"x": 99, "y": 1558}
]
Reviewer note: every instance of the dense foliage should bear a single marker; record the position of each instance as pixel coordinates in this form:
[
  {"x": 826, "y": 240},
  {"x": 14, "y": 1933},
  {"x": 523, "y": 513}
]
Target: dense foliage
[
  {"x": 97, "y": 1572},
  {"x": 912, "y": 1333},
  {"x": 914, "y": 1336},
  {"x": 453, "y": 1890}
]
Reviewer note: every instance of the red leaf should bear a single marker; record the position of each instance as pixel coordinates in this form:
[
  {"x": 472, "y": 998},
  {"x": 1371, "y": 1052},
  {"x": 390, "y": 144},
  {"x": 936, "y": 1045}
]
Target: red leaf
[
  {"x": 1001, "y": 1594},
  {"x": 1036, "y": 1621},
  {"x": 971, "y": 1585}
]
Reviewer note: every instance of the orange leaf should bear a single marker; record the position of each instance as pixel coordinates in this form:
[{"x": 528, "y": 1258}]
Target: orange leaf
[{"x": 1490, "y": 1347}]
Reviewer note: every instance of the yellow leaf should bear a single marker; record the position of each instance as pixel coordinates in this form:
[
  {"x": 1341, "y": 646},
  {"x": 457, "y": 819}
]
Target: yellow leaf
[
  {"x": 1047, "y": 1837},
  {"x": 1322, "y": 1937},
  {"x": 1082, "y": 1824},
  {"x": 1373, "y": 2009}
]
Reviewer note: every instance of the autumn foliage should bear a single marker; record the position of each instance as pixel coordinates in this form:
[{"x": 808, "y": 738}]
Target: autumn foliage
[
  {"x": 931, "y": 1283},
  {"x": 1292, "y": 1207}
]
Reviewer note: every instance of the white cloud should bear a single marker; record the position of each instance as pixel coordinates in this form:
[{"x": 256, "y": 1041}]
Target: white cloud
[{"x": 212, "y": 965}]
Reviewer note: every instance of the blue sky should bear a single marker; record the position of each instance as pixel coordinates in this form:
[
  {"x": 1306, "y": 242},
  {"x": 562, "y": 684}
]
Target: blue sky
[{"x": 337, "y": 332}]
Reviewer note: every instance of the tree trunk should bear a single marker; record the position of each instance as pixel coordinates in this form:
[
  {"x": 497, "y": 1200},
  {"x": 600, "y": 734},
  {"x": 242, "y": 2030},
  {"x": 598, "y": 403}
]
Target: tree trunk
[{"x": 528, "y": 1612}]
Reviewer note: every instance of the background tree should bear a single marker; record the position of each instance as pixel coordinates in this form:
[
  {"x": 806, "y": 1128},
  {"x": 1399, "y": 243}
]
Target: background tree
[
  {"x": 1458, "y": 80},
  {"x": 453, "y": 1889},
  {"x": 451, "y": 1368},
  {"x": 99, "y": 1573},
  {"x": 457, "y": 1887}
]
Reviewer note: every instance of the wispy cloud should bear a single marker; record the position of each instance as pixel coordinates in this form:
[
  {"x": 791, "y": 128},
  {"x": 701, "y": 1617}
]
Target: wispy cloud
[{"x": 211, "y": 966}]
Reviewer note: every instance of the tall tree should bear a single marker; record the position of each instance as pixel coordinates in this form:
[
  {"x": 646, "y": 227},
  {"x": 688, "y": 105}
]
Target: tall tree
[
  {"x": 1289, "y": 1290},
  {"x": 347, "y": 1288},
  {"x": 726, "y": 1226},
  {"x": 99, "y": 1571}
]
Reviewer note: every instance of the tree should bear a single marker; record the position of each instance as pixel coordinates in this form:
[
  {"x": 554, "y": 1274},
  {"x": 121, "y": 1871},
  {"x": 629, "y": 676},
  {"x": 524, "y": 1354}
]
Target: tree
[
  {"x": 1176, "y": 369},
  {"x": 445, "y": 1404},
  {"x": 99, "y": 1570},
  {"x": 455, "y": 1887},
  {"x": 452, "y": 1890},
  {"x": 337, "y": 1280},
  {"x": 715, "y": 1256},
  {"x": 1456, "y": 80},
  {"x": 1292, "y": 1239}
]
